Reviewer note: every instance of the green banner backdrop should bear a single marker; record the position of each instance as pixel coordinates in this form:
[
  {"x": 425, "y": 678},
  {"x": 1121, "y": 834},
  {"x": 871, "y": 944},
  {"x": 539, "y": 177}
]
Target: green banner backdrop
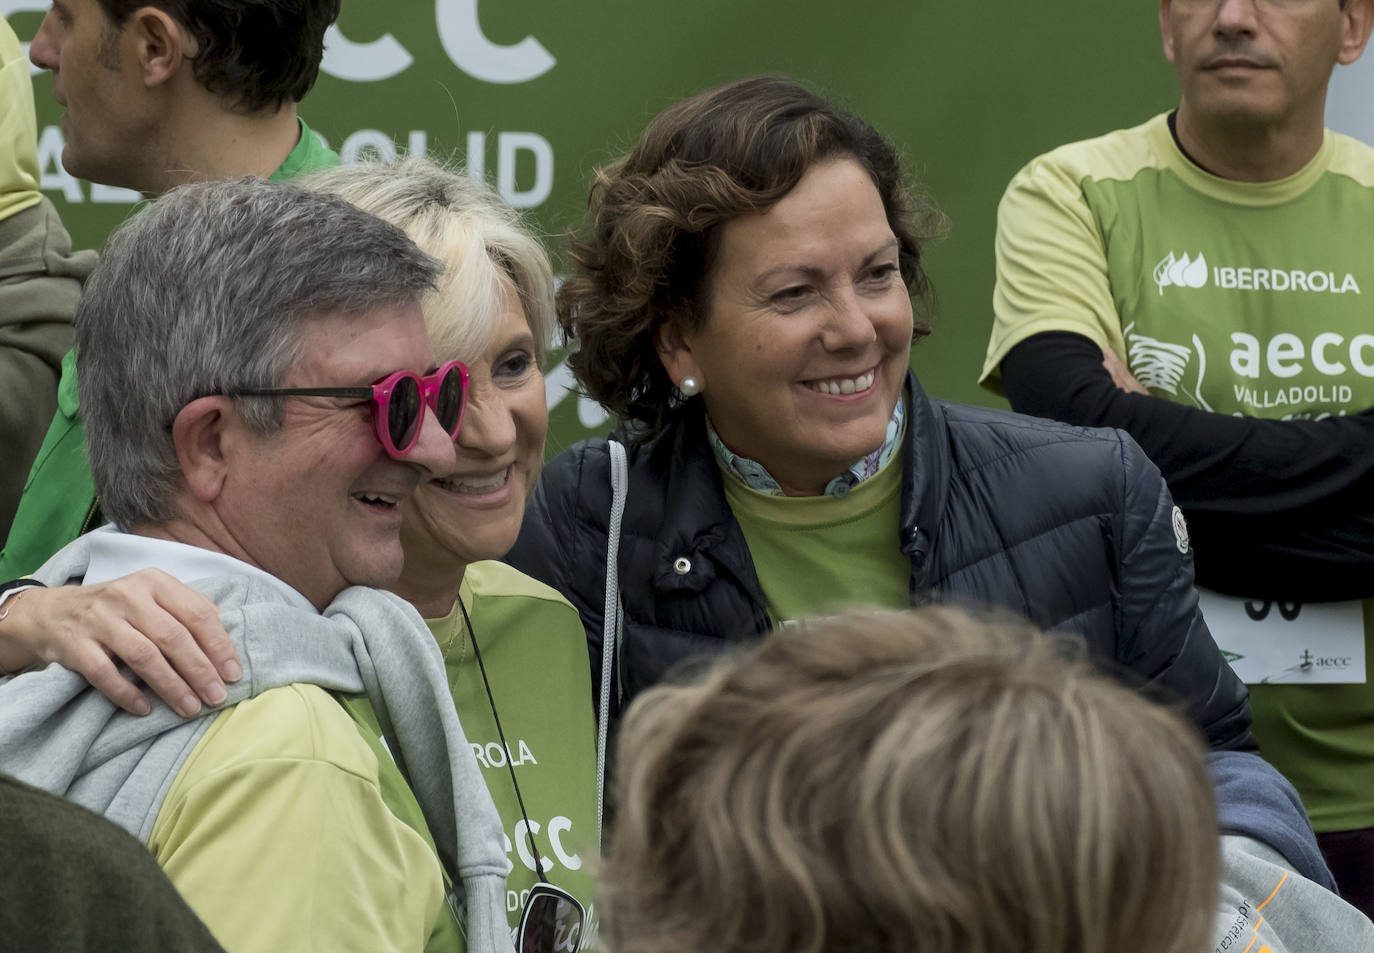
[{"x": 535, "y": 93}]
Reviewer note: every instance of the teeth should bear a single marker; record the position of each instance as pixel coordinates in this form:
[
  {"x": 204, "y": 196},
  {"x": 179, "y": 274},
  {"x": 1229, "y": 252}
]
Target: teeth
[
  {"x": 382, "y": 498},
  {"x": 844, "y": 385},
  {"x": 475, "y": 484}
]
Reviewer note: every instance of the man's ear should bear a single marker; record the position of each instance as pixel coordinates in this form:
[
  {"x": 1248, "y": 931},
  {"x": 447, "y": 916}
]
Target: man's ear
[
  {"x": 1165, "y": 31},
  {"x": 1358, "y": 19},
  {"x": 675, "y": 352},
  {"x": 162, "y": 44},
  {"x": 201, "y": 436}
]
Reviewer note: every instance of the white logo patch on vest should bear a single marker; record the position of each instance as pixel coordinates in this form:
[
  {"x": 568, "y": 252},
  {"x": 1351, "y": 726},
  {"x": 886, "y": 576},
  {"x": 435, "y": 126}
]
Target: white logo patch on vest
[{"x": 1180, "y": 531}]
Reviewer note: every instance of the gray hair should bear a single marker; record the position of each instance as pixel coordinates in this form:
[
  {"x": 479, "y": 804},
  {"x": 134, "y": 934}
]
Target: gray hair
[
  {"x": 482, "y": 242},
  {"x": 205, "y": 292}
]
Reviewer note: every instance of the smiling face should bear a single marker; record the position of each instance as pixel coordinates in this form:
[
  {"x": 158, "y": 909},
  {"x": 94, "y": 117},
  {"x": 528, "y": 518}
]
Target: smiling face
[
  {"x": 1259, "y": 62},
  {"x": 474, "y": 512},
  {"x": 316, "y": 503},
  {"x": 807, "y": 330},
  {"x": 96, "y": 77}
]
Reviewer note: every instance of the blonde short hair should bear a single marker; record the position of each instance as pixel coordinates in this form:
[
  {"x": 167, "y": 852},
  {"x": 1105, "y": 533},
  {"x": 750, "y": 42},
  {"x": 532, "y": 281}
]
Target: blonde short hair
[
  {"x": 923, "y": 782},
  {"x": 482, "y": 242}
]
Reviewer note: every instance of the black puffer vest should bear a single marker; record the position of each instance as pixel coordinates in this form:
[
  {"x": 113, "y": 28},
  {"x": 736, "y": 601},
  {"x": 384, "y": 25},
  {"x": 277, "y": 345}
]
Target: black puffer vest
[{"x": 1073, "y": 528}]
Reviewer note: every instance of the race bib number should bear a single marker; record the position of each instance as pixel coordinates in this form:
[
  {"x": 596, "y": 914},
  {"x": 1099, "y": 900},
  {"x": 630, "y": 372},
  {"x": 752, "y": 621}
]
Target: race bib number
[{"x": 1288, "y": 642}]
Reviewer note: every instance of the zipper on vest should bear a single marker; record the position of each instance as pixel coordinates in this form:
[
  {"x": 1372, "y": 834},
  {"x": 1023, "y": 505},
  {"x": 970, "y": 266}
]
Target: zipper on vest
[{"x": 90, "y": 516}]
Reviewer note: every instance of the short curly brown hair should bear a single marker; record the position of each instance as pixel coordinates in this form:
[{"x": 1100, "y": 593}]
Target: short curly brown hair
[{"x": 654, "y": 219}]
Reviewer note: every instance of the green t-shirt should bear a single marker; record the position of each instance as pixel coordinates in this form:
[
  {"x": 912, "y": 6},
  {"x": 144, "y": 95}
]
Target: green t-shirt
[
  {"x": 818, "y": 555},
  {"x": 535, "y": 652},
  {"x": 288, "y": 827},
  {"x": 309, "y": 155},
  {"x": 59, "y": 502},
  {"x": 1232, "y": 297},
  {"x": 447, "y": 935}
]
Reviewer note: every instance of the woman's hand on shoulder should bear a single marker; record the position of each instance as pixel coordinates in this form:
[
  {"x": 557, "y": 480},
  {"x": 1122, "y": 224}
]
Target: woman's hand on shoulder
[{"x": 167, "y": 633}]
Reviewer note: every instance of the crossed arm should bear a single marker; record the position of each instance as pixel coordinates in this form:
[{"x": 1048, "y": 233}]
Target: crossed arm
[
  {"x": 1283, "y": 508},
  {"x": 1277, "y": 507}
]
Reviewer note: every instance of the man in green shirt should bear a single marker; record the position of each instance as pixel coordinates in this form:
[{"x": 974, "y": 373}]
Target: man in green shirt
[
  {"x": 154, "y": 101},
  {"x": 162, "y": 93},
  {"x": 1202, "y": 281}
]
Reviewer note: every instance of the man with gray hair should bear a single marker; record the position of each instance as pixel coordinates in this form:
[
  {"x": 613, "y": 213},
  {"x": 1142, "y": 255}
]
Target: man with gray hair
[{"x": 259, "y": 395}]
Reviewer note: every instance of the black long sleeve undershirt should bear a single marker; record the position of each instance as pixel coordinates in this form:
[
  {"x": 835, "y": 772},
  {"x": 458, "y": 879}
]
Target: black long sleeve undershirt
[{"x": 1279, "y": 509}]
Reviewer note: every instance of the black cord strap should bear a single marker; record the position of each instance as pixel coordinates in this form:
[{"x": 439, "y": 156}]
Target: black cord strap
[{"x": 477, "y": 653}]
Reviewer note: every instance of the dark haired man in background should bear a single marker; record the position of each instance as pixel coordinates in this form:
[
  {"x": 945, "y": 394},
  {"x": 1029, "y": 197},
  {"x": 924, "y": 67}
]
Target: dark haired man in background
[{"x": 172, "y": 91}]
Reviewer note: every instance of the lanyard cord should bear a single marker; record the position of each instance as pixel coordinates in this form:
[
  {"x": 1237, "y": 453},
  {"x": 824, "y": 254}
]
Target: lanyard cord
[{"x": 477, "y": 652}]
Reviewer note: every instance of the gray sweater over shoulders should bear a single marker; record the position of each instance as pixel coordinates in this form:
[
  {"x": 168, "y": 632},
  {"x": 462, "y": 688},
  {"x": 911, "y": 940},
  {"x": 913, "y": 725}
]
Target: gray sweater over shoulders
[{"x": 59, "y": 734}]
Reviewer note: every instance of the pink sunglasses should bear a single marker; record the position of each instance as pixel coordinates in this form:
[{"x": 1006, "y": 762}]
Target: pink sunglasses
[{"x": 398, "y": 402}]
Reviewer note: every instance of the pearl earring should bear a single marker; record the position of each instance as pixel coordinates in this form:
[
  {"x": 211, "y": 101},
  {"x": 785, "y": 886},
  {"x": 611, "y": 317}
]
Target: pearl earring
[{"x": 689, "y": 386}]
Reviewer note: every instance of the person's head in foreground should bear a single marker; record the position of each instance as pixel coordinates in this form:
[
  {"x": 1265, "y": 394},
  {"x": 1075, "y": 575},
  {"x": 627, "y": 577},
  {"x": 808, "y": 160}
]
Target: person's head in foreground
[
  {"x": 758, "y": 247},
  {"x": 492, "y": 309},
  {"x": 918, "y": 782},
  {"x": 204, "y": 307}
]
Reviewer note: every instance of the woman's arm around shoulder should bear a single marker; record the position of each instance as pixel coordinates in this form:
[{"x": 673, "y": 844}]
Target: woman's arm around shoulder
[{"x": 168, "y": 634}]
